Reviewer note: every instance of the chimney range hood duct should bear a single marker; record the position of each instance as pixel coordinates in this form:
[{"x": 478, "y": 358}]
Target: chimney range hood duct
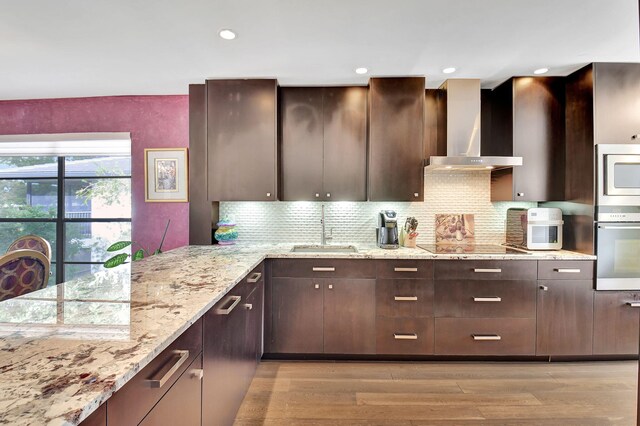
[{"x": 463, "y": 131}]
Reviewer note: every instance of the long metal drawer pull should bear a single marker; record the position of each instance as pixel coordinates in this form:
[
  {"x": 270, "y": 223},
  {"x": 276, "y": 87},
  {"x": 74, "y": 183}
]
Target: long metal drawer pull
[
  {"x": 411, "y": 336},
  {"x": 405, "y": 298},
  {"x": 254, "y": 278},
  {"x": 618, "y": 227},
  {"x": 634, "y": 304},
  {"x": 496, "y": 270},
  {"x": 405, "y": 269},
  {"x": 487, "y": 299},
  {"x": 227, "y": 311},
  {"x": 178, "y": 358},
  {"x": 323, "y": 269},
  {"x": 248, "y": 306},
  {"x": 567, "y": 270},
  {"x": 486, "y": 337}
]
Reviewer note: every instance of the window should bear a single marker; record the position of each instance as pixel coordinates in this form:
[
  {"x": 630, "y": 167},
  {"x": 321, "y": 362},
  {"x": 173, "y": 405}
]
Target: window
[{"x": 80, "y": 203}]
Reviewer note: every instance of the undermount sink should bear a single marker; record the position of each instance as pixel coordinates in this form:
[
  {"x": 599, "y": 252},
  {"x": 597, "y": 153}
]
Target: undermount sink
[{"x": 324, "y": 249}]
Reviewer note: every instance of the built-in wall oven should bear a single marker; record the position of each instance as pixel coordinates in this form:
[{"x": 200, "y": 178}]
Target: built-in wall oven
[{"x": 617, "y": 226}]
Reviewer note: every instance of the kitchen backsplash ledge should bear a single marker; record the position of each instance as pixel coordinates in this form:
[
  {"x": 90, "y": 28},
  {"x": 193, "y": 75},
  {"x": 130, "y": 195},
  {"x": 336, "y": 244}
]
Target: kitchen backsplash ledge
[{"x": 355, "y": 222}]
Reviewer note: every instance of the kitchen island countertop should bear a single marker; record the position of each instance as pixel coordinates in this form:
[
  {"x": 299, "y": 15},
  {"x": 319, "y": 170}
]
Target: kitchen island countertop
[{"x": 66, "y": 349}]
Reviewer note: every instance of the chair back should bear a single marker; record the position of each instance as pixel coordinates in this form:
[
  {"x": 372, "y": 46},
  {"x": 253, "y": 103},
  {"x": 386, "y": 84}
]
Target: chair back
[
  {"x": 21, "y": 272},
  {"x": 31, "y": 242}
]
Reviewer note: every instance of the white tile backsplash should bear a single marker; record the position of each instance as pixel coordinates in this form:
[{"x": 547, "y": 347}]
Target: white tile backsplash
[{"x": 355, "y": 222}]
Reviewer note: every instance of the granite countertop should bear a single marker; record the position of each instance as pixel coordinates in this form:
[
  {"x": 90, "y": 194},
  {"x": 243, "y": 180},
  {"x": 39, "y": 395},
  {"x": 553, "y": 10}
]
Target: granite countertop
[{"x": 66, "y": 349}]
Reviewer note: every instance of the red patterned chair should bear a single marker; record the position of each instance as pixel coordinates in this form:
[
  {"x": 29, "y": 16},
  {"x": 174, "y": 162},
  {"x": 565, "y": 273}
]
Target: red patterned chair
[
  {"x": 31, "y": 242},
  {"x": 21, "y": 272}
]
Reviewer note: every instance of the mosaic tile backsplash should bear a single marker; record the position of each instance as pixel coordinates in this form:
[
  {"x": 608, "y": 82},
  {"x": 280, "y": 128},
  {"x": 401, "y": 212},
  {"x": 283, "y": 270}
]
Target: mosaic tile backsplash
[{"x": 355, "y": 222}]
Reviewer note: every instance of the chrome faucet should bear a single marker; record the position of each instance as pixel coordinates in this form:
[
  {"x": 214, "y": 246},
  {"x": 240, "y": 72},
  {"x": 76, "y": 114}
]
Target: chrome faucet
[{"x": 324, "y": 237}]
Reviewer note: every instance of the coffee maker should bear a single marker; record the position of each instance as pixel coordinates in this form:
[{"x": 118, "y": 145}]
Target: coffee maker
[{"x": 387, "y": 231}]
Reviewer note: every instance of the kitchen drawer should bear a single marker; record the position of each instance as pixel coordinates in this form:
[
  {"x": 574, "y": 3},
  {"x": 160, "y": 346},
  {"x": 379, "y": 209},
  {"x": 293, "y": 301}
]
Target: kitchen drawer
[
  {"x": 323, "y": 268},
  {"x": 485, "y": 270},
  {"x": 485, "y": 336},
  {"x": 404, "y": 269},
  {"x": 133, "y": 401},
  {"x": 486, "y": 299},
  {"x": 404, "y": 298},
  {"x": 404, "y": 336},
  {"x": 565, "y": 269}
]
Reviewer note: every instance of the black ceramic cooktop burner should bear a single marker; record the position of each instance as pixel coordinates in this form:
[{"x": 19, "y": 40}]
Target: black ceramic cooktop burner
[{"x": 470, "y": 249}]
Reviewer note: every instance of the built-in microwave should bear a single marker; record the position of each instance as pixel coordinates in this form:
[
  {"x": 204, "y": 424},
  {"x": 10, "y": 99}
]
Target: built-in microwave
[{"x": 618, "y": 174}]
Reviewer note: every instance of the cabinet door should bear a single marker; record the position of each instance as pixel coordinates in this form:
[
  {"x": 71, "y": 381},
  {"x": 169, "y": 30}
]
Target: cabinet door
[
  {"x": 396, "y": 114},
  {"x": 97, "y": 418},
  {"x": 182, "y": 404},
  {"x": 565, "y": 317},
  {"x": 301, "y": 143},
  {"x": 241, "y": 140},
  {"x": 616, "y": 323},
  {"x": 349, "y": 316},
  {"x": 617, "y": 88},
  {"x": 296, "y": 315},
  {"x": 224, "y": 361},
  {"x": 345, "y": 144}
]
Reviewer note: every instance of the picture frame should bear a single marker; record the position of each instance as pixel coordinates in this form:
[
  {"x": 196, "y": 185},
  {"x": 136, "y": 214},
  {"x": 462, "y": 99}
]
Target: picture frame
[{"x": 166, "y": 175}]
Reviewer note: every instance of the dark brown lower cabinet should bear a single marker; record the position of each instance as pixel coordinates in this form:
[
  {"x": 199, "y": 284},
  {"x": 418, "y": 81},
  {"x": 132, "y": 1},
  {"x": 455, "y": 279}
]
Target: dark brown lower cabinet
[
  {"x": 181, "y": 405},
  {"x": 231, "y": 349},
  {"x": 616, "y": 322},
  {"x": 565, "y": 317},
  {"x": 97, "y": 418},
  {"x": 349, "y": 316}
]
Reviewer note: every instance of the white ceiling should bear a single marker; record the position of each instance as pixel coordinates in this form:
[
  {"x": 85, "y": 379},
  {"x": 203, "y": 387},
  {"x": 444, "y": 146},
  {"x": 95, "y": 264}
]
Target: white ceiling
[{"x": 65, "y": 48}]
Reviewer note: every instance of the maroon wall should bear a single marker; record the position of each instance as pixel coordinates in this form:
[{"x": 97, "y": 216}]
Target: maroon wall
[{"x": 153, "y": 121}]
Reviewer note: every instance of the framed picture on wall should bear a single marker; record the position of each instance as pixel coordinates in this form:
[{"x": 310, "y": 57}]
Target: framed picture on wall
[{"x": 166, "y": 175}]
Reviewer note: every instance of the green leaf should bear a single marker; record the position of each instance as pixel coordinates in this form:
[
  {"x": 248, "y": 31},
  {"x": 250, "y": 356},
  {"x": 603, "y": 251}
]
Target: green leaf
[
  {"x": 139, "y": 255},
  {"x": 119, "y": 245},
  {"x": 116, "y": 260}
]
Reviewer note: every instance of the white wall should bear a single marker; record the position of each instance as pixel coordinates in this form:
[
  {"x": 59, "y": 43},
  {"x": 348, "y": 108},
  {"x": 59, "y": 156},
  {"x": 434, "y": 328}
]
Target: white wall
[{"x": 355, "y": 222}]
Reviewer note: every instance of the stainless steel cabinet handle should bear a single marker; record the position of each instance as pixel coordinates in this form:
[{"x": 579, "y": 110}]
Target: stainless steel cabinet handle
[
  {"x": 248, "y": 306},
  {"x": 520, "y": 194},
  {"x": 634, "y": 304},
  {"x": 330, "y": 286},
  {"x": 487, "y": 299},
  {"x": 328, "y": 195},
  {"x": 197, "y": 373},
  {"x": 618, "y": 227},
  {"x": 254, "y": 278},
  {"x": 416, "y": 194},
  {"x": 227, "y": 311},
  {"x": 323, "y": 269},
  {"x": 567, "y": 270},
  {"x": 483, "y": 270},
  {"x": 410, "y": 336},
  {"x": 405, "y": 269},
  {"x": 486, "y": 337},
  {"x": 268, "y": 194},
  {"x": 317, "y": 195},
  {"x": 543, "y": 288},
  {"x": 405, "y": 298},
  {"x": 178, "y": 357},
  {"x": 316, "y": 286},
  {"x": 635, "y": 136}
]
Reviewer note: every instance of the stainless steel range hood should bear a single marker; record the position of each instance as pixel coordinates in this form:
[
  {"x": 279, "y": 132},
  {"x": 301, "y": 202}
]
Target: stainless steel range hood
[{"x": 462, "y": 98}]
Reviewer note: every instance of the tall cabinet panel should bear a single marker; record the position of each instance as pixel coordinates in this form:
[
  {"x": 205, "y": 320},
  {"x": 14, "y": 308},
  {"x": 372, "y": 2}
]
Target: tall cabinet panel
[
  {"x": 345, "y": 144},
  {"x": 396, "y": 126},
  {"x": 301, "y": 142},
  {"x": 241, "y": 140}
]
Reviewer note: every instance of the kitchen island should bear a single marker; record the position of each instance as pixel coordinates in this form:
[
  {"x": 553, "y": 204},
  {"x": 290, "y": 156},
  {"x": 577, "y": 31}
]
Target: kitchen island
[{"x": 67, "y": 349}]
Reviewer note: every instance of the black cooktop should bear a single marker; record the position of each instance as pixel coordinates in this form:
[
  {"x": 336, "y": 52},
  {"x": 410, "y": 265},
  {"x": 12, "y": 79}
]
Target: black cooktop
[{"x": 470, "y": 249}]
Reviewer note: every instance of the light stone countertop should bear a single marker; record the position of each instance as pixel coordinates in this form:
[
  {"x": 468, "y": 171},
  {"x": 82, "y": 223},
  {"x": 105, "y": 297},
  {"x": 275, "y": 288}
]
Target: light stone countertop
[{"x": 66, "y": 349}]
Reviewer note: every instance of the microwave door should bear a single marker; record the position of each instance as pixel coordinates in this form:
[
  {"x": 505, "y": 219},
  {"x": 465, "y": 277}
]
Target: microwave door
[
  {"x": 618, "y": 251},
  {"x": 622, "y": 175}
]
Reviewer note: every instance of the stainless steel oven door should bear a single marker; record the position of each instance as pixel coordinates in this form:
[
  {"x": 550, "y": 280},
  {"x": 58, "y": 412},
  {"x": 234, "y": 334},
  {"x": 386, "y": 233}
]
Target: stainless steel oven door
[
  {"x": 618, "y": 174},
  {"x": 618, "y": 251}
]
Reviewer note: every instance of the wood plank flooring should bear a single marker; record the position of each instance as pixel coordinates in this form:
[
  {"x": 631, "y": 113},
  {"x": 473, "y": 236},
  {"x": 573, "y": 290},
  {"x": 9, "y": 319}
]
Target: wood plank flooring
[{"x": 440, "y": 393}]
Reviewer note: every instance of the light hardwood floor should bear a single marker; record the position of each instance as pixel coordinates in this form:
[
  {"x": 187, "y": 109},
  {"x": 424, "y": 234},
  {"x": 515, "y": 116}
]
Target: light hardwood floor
[{"x": 439, "y": 393}]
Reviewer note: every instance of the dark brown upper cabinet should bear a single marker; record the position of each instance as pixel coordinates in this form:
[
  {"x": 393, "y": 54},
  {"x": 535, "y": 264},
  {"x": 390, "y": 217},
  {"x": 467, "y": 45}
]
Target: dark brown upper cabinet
[
  {"x": 527, "y": 120},
  {"x": 323, "y": 143},
  {"x": 396, "y": 127},
  {"x": 241, "y": 140}
]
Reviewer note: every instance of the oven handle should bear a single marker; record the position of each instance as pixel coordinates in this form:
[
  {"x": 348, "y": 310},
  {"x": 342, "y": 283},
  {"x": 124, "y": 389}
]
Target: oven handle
[{"x": 618, "y": 227}]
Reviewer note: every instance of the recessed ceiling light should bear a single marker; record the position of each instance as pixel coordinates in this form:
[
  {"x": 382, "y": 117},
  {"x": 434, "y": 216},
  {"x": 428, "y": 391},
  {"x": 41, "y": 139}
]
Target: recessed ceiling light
[
  {"x": 448, "y": 167},
  {"x": 488, "y": 167},
  {"x": 227, "y": 34},
  {"x": 361, "y": 70},
  {"x": 449, "y": 70},
  {"x": 541, "y": 71}
]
